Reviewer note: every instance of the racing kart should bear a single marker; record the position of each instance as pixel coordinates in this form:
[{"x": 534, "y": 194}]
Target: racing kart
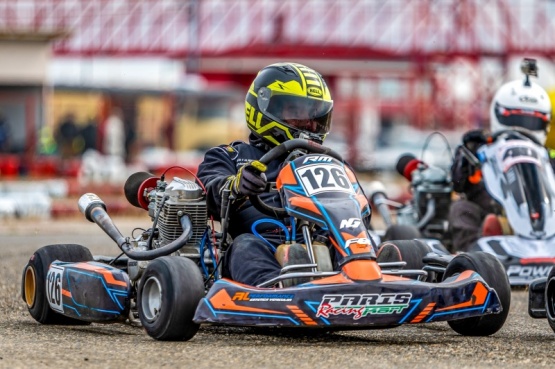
[
  {"x": 424, "y": 214},
  {"x": 518, "y": 175},
  {"x": 541, "y": 298},
  {"x": 168, "y": 279}
]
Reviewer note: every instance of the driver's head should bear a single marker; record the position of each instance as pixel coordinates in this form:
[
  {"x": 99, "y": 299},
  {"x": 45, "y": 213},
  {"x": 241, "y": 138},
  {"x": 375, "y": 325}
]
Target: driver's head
[
  {"x": 521, "y": 104},
  {"x": 286, "y": 101}
]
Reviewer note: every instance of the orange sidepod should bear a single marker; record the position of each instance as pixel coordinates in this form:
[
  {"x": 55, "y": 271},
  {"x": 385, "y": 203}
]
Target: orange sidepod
[
  {"x": 478, "y": 298},
  {"x": 304, "y": 203},
  {"x": 108, "y": 276},
  {"x": 286, "y": 177},
  {"x": 222, "y": 301}
]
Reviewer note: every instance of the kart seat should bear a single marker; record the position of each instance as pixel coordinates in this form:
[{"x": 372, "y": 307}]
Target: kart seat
[{"x": 496, "y": 225}]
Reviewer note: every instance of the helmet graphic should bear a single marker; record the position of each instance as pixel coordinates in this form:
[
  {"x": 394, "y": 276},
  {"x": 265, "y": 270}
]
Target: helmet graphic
[
  {"x": 286, "y": 101},
  {"x": 522, "y": 104}
]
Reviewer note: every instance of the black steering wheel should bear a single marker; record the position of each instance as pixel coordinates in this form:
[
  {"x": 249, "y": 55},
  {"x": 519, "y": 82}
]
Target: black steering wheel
[
  {"x": 517, "y": 133},
  {"x": 276, "y": 152}
]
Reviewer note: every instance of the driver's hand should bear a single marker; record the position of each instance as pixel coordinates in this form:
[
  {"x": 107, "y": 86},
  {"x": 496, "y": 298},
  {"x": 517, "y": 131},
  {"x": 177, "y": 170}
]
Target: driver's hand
[
  {"x": 250, "y": 179},
  {"x": 475, "y": 138}
]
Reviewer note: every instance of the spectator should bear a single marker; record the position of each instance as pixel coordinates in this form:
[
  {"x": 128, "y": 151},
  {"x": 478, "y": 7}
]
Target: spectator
[
  {"x": 5, "y": 134},
  {"x": 66, "y": 134},
  {"x": 114, "y": 138},
  {"x": 89, "y": 135}
]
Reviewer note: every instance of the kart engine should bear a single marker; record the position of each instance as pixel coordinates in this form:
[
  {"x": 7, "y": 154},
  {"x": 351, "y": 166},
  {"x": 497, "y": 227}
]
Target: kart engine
[
  {"x": 431, "y": 188},
  {"x": 168, "y": 202}
]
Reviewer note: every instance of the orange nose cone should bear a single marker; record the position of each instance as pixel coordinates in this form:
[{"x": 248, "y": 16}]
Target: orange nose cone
[{"x": 362, "y": 270}]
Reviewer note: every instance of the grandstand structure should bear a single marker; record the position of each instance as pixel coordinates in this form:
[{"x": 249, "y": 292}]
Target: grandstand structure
[{"x": 433, "y": 63}]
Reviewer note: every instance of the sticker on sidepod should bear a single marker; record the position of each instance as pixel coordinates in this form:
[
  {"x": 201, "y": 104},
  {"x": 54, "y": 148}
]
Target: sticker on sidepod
[
  {"x": 360, "y": 306},
  {"x": 54, "y": 287},
  {"x": 248, "y": 296},
  {"x": 528, "y": 271}
]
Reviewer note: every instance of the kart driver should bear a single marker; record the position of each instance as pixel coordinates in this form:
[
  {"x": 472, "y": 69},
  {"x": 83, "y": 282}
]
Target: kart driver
[
  {"x": 517, "y": 104},
  {"x": 285, "y": 101}
]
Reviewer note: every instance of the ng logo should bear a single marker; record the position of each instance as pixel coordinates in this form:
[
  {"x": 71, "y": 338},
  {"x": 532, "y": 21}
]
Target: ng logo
[{"x": 350, "y": 223}]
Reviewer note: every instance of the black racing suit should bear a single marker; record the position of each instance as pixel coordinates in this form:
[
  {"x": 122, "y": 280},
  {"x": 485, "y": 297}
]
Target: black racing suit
[
  {"x": 467, "y": 214},
  {"x": 250, "y": 260}
]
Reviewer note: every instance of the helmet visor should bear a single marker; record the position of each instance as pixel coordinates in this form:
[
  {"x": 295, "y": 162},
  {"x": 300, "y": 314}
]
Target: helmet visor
[
  {"x": 303, "y": 113},
  {"x": 532, "y": 120}
]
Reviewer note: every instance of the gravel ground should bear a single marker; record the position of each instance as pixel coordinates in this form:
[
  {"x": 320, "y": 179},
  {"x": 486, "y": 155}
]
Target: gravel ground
[{"x": 522, "y": 343}]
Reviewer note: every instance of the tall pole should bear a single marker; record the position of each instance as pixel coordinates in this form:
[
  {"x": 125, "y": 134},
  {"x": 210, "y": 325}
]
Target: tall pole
[{"x": 192, "y": 62}]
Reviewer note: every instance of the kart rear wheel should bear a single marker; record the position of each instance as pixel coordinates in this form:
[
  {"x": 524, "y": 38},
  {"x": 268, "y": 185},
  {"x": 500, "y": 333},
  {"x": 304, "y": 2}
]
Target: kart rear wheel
[
  {"x": 169, "y": 292},
  {"x": 493, "y": 273},
  {"x": 33, "y": 285},
  {"x": 412, "y": 252},
  {"x": 550, "y": 298},
  {"x": 401, "y": 232}
]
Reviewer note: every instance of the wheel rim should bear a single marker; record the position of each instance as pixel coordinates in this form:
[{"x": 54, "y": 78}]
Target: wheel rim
[
  {"x": 151, "y": 300},
  {"x": 30, "y": 286}
]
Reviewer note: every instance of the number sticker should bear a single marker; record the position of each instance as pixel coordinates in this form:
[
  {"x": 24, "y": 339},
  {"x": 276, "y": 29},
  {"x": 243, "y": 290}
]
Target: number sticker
[
  {"x": 54, "y": 287},
  {"x": 324, "y": 178}
]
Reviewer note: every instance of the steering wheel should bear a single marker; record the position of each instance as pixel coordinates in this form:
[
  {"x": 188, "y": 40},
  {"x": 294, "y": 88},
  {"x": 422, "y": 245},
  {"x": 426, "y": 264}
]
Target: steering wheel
[
  {"x": 517, "y": 133},
  {"x": 278, "y": 151}
]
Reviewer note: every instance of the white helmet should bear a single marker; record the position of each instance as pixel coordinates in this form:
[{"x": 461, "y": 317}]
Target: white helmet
[{"x": 522, "y": 104}]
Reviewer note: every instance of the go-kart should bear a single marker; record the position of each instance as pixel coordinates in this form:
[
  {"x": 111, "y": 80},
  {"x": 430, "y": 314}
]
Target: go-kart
[
  {"x": 541, "y": 298},
  {"x": 518, "y": 175},
  {"x": 169, "y": 280},
  {"x": 424, "y": 214}
]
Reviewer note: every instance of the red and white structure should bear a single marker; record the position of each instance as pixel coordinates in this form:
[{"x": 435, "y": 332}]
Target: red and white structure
[{"x": 384, "y": 56}]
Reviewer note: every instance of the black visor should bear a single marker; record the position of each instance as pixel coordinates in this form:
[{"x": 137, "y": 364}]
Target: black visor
[
  {"x": 532, "y": 120},
  {"x": 304, "y": 113}
]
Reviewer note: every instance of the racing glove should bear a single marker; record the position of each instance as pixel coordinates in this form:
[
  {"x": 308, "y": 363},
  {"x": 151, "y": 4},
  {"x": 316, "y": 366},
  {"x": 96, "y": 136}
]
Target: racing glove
[
  {"x": 249, "y": 180},
  {"x": 475, "y": 138}
]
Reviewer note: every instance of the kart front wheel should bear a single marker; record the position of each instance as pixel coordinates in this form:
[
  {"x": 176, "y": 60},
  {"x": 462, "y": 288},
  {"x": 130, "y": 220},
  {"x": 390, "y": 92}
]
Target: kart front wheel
[
  {"x": 33, "y": 285},
  {"x": 550, "y": 298},
  {"x": 169, "y": 292},
  {"x": 493, "y": 273}
]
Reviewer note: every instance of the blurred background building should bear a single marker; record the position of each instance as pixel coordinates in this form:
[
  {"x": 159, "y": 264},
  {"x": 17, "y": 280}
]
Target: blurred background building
[{"x": 169, "y": 76}]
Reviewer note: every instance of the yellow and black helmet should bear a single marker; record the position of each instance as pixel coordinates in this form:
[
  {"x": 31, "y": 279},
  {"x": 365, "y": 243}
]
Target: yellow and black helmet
[{"x": 286, "y": 101}]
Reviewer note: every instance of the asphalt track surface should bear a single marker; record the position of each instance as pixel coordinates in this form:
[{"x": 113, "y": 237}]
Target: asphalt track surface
[{"x": 523, "y": 342}]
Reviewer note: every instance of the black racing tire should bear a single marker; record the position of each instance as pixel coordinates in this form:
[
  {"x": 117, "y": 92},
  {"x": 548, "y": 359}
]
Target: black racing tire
[
  {"x": 493, "y": 273},
  {"x": 401, "y": 232},
  {"x": 169, "y": 293},
  {"x": 550, "y": 298},
  {"x": 33, "y": 284},
  {"x": 412, "y": 252}
]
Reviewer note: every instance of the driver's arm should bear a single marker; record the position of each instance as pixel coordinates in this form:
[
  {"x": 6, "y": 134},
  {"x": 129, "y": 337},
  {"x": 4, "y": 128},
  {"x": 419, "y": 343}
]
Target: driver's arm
[
  {"x": 463, "y": 172},
  {"x": 459, "y": 171},
  {"x": 214, "y": 172}
]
